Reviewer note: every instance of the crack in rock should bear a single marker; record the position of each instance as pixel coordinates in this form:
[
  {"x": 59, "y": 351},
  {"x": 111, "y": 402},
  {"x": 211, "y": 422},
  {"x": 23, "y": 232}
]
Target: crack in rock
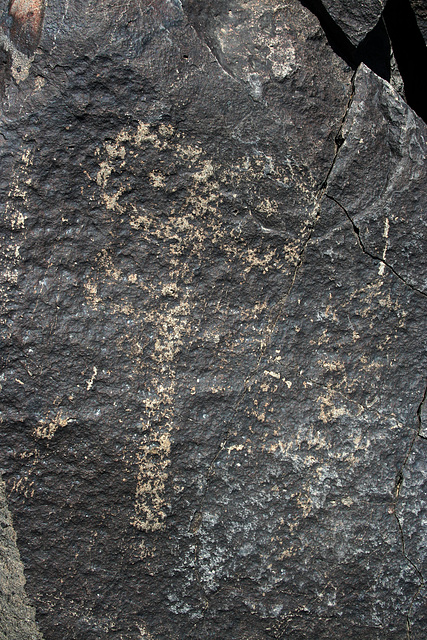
[
  {"x": 399, "y": 482},
  {"x": 395, "y": 40},
  {"x": 198, "y": 515},
  {"x": 356, "y": 231}
]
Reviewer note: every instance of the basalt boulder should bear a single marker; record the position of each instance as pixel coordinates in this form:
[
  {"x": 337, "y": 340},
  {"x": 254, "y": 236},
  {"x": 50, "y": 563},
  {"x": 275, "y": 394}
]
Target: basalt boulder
[{"x": 213, "y": 292}]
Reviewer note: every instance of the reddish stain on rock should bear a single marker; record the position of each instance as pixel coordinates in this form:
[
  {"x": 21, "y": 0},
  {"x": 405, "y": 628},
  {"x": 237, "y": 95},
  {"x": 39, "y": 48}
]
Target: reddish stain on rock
[{"x": 27, "y": 23}]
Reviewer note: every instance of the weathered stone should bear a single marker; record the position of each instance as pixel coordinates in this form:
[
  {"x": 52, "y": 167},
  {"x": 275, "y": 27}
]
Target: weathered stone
[
  {"x": 420, "y": 10},
  {"x": 384, "y": 146},
  {"x": 356, "y": 19},
  {"x": 213, "y": 350},
  {"x": 411, "y": 510},
  {"x": 16, "y": 616}
]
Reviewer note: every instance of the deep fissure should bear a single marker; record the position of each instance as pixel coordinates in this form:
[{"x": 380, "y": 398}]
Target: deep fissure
[
  {"x": 410, "y": 52},
  {"x": 374, "y": 50},
  {"x": 397, "y": 32}
]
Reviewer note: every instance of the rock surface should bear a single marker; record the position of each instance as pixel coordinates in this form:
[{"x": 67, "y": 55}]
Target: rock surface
[
  {"x": 420, "y": 10},
  {"x": 17, "y": 618},
  {"x": 213, "y": 303},
  {"x": 356, "y": 19}
]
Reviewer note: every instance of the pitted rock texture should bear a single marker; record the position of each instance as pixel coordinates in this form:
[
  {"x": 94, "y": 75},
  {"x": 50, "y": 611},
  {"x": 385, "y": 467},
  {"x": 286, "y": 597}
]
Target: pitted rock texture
[
  {"x": 213, "y": 303},
  {"x": 389, "y": 216},
  {"x": 17, "y": 617},
  {"x": 420, "y": 9},
  {"x": 356, "y": 19}
]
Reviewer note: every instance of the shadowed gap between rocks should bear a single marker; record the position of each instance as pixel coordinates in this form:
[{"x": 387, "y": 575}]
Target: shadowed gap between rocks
[
  {"x": 374, "y": 50},
  {"x": 410, "y": 52},
  {"x": 397, "y": 31}
]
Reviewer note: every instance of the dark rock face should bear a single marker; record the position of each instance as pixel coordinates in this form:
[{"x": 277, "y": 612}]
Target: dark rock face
[
  {"x": 356, "y": 19},
  {"x": 389, "y": 214},
  {"x": 213, "y": 303},
  {"x": 17, "y": 618},
  {"x": 420, "y": 9}
]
